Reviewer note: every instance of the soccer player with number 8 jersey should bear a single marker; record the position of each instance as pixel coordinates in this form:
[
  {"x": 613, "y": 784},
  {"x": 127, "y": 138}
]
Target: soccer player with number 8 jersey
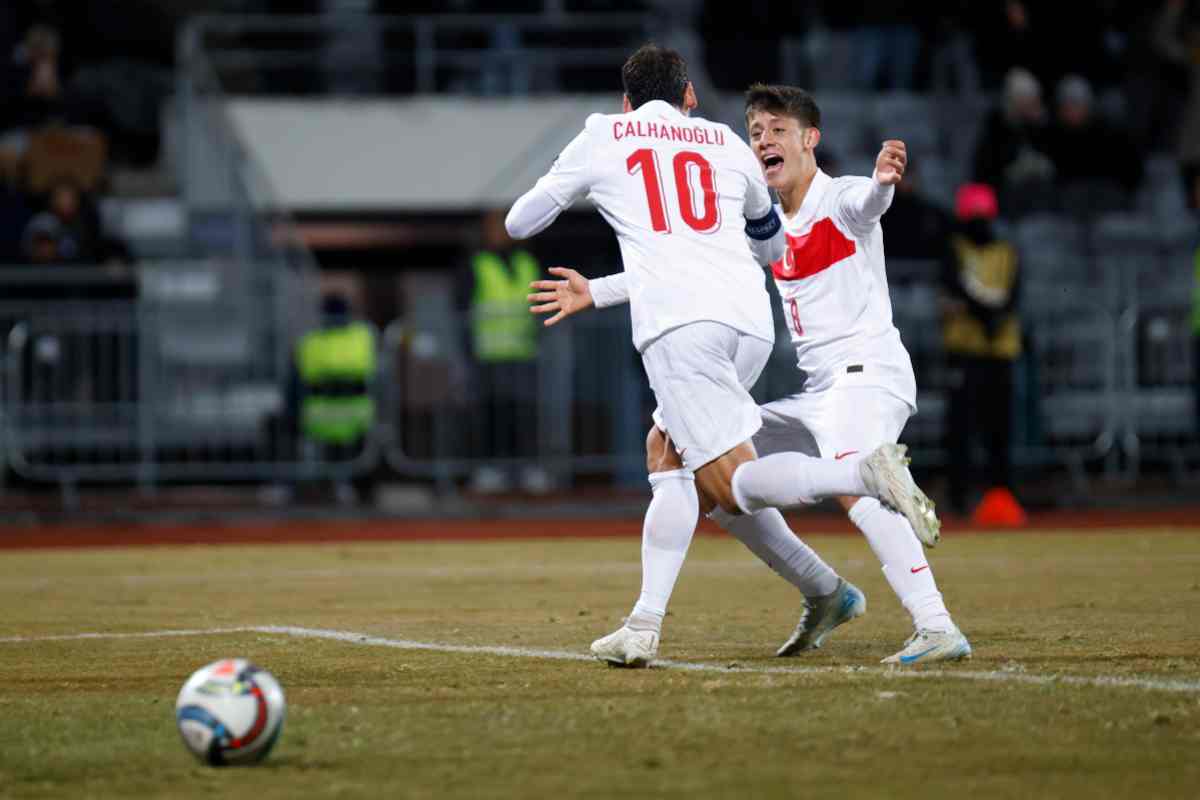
[{"x": 694, "y": 220}]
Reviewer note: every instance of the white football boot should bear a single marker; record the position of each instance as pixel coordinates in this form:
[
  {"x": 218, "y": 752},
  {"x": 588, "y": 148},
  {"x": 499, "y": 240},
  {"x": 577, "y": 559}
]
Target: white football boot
[
  {"x": 885, "y": 472},
  {"x": 927, "y": 647},
  {"x": 626, "y": 647},
  {"x": 823, "y": 614}
]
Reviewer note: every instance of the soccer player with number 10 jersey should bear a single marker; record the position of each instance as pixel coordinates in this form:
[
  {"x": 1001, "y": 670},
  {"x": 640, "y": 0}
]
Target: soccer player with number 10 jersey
[{"x": 693, "y": 216}]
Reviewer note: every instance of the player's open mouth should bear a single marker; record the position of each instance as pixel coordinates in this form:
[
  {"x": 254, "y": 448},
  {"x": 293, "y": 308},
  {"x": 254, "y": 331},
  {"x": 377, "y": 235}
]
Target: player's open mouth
[{"x": 772, "y": 164}]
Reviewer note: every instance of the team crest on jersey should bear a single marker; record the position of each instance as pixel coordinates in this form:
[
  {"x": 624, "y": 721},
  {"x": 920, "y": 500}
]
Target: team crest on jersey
[{"x": 813, "y": 252}]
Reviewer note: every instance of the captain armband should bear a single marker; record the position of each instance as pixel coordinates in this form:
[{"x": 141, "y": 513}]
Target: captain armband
[{"x": 765, "y": 227}]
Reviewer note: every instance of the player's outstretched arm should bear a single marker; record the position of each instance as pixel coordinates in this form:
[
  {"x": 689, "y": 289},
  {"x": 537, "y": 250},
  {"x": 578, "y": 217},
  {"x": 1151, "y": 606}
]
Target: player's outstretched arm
[{"x": 864, "y": 204}]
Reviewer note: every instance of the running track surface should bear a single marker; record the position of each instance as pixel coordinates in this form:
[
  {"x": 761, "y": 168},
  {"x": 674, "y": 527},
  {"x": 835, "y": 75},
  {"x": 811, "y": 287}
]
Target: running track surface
[{"x": 290, "y": 532}]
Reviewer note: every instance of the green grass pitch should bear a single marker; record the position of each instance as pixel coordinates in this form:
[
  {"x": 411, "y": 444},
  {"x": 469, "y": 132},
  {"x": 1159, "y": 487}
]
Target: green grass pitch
[{"x": 94, "y": 717}]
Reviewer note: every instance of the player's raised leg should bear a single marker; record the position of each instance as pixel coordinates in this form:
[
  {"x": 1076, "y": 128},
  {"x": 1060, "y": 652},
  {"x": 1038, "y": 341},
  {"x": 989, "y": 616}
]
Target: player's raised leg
[{"x": 787, "y": 480}]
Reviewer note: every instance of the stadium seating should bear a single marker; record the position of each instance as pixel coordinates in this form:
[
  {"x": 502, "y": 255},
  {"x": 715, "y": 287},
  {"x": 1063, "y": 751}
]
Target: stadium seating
[{"x": 900, "y": 115}]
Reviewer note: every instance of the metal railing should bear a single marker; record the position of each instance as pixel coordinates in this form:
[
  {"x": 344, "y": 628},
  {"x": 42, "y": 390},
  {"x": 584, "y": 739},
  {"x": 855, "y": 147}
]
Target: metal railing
[
  {"x": 577, "y": 405},
  {"x": 235, "y": 219},
  {"x": 1159, "y": 413},
  {"x": 100, "y": 393},
  {"x": 118, "y": 391},
  {"x": 495, "y": 54}
]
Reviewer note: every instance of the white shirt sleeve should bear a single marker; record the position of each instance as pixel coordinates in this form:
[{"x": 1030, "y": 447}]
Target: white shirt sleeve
[
  {"x": 611, "y": 290},
  {"x": 568, "y": 180},
  {"x": 863, "y": 203}
]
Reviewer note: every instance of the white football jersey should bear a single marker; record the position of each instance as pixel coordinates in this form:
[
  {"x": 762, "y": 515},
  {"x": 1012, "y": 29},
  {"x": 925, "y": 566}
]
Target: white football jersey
[
  {"x": 677, "y": 190},
  {"x": 834, "y": 290}
]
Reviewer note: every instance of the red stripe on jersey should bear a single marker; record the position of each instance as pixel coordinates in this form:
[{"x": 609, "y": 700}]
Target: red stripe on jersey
[{"x": 816, "y": 251}]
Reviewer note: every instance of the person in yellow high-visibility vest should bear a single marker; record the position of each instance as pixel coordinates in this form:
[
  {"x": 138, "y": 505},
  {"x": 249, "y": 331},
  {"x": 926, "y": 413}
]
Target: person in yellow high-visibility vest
[
  {"x": 981, "y": 336},
  {"x": 504, "y": 344},
  {"x": 335, "y": 365},
  {"x": 500, "y": 332}
]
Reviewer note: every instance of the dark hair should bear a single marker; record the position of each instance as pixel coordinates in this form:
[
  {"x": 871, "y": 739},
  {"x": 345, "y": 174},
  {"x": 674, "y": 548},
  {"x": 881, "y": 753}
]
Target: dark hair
[
  {"x": 788, "y": 101},
  {"x": 654, "y": 73}
]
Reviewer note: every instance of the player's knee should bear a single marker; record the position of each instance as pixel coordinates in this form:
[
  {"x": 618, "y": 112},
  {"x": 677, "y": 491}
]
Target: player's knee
[
  {"x": 715, "y": 485},
  {"x": 847, "y": 502},
  {"x": 660, "y": 452},
  {"x": 729, "y": 503},
  {"x": 722, "y": 495},
  {"x": 655, "y": 442}
]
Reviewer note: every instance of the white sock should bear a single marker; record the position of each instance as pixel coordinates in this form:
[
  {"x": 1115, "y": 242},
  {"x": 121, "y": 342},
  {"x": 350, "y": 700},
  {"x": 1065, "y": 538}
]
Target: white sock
[
  {"x": 666, "y": 533},
  {"x": 786, "y": 480},
  {"x": 904, "y": 563},
  {"x": 768, "y": 536}
]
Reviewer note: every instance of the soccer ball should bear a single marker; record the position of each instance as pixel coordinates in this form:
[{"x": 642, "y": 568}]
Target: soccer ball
[{"x": 230, "y": 712}]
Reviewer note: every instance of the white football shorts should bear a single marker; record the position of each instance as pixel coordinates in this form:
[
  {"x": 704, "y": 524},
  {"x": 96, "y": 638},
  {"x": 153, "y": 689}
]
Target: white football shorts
[
  {"x": 833, "y": 423},
  {"x": 701, "y": 374}
]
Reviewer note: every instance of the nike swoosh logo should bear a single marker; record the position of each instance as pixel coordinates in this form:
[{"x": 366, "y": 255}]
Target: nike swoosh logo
[
  {"x": 915, "y": 656},
  {"x": 915, "y": 570},
  {"x": 840, "y": 456}
]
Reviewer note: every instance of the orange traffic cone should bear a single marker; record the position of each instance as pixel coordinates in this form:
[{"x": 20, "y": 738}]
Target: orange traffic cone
[{"x": 999, "y": 509}]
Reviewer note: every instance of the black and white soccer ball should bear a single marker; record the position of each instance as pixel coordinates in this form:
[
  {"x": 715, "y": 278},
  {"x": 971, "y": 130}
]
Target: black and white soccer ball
[{"x": 230, "y": 712}]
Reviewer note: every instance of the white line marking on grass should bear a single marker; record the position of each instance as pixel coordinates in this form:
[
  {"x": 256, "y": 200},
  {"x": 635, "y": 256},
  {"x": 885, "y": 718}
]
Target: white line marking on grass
[
  {"x": 408, "y": 644},
  {"x": 351, "y": 637},
  {"x": 73, "y": 637}
]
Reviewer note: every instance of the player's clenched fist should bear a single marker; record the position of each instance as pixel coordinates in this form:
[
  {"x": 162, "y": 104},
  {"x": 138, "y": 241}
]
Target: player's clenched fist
[
  {"x": 561, "y": 298},
  {"x": 889, "y": 167}
]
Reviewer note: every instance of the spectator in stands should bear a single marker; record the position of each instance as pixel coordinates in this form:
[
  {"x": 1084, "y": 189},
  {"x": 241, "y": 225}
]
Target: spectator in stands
[
  {"x": 1050, "y": 39},
  {"x": 981, "y": 336},
  {"x": 1011, "y": 152},
  {"x": 78, "y": 218},
  {"x": 1002, "y": 32},
  {"x": 504, "y": 338},
  {"x": 71, "y": 219},
  {"x": 33, "y": 87},
  {"x": 44, "y": 242},
  {"x": 1084, "y": 148}
]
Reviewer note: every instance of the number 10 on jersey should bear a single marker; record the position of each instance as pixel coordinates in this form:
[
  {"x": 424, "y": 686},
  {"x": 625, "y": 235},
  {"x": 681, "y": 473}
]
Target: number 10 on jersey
[{"x": 645, "y": 161}]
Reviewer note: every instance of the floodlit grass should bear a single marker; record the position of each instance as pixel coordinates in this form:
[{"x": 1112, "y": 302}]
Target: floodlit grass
[{"x": 94, "y": 718}]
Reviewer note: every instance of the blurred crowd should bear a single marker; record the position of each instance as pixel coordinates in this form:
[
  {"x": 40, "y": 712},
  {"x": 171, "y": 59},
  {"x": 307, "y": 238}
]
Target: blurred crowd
[
  {"x": 1085, "y": 92},
  {"x": 80, "y": 91}
]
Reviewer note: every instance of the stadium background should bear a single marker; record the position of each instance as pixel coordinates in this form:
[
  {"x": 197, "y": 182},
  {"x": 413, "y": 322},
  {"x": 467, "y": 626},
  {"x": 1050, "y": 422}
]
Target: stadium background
[
  {"x": 264, "y": 393},
  {"x": 235, "y": 163}
]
